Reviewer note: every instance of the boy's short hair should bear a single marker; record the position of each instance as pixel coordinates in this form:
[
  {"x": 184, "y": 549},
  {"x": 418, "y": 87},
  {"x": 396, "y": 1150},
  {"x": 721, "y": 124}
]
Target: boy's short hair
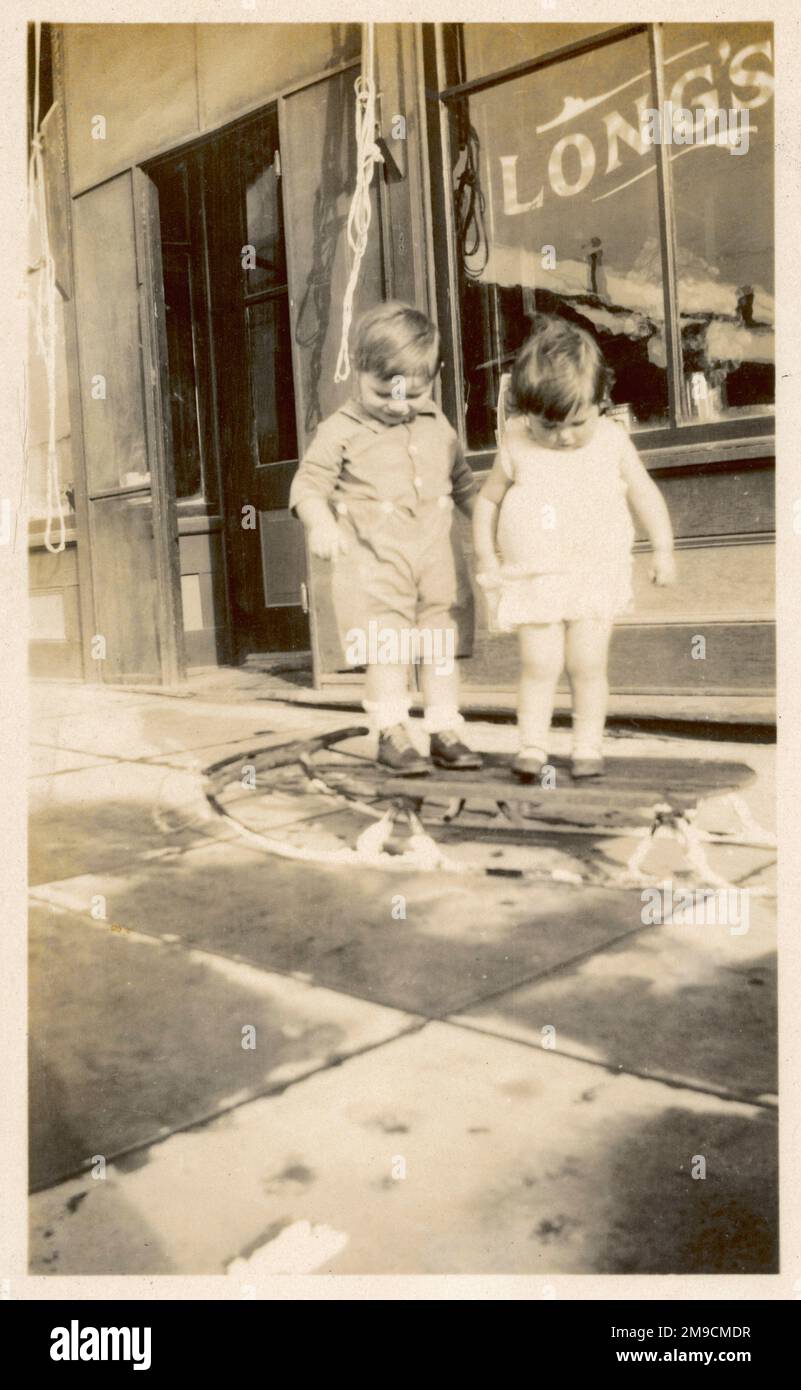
[
  {"x": 558, "y": 371},
  {"x": 394, "y": 339}
]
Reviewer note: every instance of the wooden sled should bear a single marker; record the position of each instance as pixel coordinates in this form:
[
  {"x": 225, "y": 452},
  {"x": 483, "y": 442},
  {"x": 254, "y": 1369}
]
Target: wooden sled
[{"x": 639, "y": 796}]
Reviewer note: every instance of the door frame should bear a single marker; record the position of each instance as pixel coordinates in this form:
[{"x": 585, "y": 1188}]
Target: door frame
[
  {"x": 158, "y": 442},
  {"x": 158, "y": 429}
]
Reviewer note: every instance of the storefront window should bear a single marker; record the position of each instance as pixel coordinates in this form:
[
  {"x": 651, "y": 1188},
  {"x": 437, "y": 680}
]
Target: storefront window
[
  {"x": 557, "y": 212},
  {"x": 554, "y": 180},
  {"x": 723, "y": 196}
]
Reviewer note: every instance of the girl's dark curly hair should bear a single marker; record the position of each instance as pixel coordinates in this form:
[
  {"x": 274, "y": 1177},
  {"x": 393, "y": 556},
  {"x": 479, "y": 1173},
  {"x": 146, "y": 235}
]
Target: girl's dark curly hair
[{"x": 558, "y": 372}]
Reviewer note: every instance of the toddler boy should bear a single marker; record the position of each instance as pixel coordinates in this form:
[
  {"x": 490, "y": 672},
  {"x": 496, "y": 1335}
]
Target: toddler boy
[{"x": 376, "y": 491}]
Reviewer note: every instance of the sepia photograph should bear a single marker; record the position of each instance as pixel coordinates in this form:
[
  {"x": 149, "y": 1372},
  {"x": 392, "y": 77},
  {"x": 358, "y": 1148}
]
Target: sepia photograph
[{"x": 400, "y": 511}]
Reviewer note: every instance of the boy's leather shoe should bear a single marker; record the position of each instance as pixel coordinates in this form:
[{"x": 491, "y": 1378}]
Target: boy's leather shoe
[
  {"x": 587, "y": 767},
  {"x": 397, "y": 752},
  {"x": 528, "y": 766},
  {"x": 448, "y": 751}
]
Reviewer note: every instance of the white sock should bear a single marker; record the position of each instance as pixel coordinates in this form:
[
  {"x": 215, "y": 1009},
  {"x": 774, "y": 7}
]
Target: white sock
[
  {"x": 439, "y": 717},
  {"x": 385, "y": 714}
]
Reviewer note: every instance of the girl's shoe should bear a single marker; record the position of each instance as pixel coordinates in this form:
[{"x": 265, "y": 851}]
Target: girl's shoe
[
  {"x": 397, "y": 752},
  {"x": 448, "y": 751},
  {"x": 587, "y": 767},
  {"x": 528, "y": 765}
]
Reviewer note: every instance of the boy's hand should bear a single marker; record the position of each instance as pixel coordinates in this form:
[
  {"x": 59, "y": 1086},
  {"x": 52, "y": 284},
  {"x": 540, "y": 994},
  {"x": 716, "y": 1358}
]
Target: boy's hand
[
  {"x": 326, "y": 541},
  {"x": 663, "y": 569}
]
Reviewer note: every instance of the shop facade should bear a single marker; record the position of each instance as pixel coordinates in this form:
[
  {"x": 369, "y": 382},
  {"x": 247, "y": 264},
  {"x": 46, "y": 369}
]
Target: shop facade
[{"x": 199, "y": 179}]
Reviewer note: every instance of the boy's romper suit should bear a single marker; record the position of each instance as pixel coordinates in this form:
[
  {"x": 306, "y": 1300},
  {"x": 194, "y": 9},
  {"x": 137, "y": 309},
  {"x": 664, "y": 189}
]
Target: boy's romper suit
[{"x": 393, "y": 490}]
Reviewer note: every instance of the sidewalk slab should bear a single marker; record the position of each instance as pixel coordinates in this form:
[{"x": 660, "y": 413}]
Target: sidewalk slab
[
  {"x": 101, "y": 818},
  {"x": 159, "y": 727},
  {"x": 462, "y": 939},
  {"x": 134, "y": 1036},
  {"x": 54, "y": 699},
  {"x": 692, "y": 1003},
  {"x": 441, "y": 1152},
  {"x": 46, "y": 761},
  {"x": 263, "y": 737}
]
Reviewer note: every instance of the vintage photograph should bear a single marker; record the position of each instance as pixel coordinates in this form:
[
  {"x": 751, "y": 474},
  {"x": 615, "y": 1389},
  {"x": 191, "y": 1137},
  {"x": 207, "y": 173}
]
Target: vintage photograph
[{"x": 400, "y": 471}]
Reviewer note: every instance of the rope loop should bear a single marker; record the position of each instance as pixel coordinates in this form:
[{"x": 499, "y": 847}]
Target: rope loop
[{"x": 368, "y": 155}]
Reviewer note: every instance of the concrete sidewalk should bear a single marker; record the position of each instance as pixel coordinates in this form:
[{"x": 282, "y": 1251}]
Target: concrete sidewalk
[{"x": 245, "y": 1064}]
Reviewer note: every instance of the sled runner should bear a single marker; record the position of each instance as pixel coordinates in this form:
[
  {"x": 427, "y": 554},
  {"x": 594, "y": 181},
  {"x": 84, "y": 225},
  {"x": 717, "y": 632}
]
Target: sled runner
[{"x": 642, "y": 797}]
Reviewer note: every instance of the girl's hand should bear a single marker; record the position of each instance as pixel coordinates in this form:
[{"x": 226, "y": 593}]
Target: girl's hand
[
  {"x": 326, "y": 541},
  {"x": 663, "y": 569}
]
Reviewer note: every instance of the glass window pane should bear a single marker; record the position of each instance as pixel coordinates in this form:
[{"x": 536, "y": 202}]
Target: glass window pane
[
  {"x": 556, "y": 210},
  {"x": 183, "y": 381},
  {"x": 723, "y": 193},
  {"x": 489, "y": 48},
  {"x": 275, "y": 437},
  {"x": 263, "y": 212}
]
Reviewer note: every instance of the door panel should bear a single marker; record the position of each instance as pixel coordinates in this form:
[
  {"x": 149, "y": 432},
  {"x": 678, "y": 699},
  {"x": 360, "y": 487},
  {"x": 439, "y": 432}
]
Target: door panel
[
  {"x": 283, "y": 564},
  {"x": 112, "y": 396},
  {"x": 125, "y": 588},
  {"x": 129, "y": 492}
]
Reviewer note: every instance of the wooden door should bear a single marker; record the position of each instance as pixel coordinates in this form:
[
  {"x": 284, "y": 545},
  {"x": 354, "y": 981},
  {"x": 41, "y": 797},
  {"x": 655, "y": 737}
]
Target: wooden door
[
  {"x": 258, "y": 434},
  {"x": 130, "y": 503}
]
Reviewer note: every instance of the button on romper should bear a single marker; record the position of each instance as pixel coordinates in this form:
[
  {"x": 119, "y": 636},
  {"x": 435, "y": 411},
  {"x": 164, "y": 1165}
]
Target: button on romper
[{"x": 393, "y": 490}]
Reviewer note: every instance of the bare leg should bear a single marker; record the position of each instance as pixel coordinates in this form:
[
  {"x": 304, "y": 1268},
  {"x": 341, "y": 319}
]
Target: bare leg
[
  {"x": 586, "y": 658},
  {"x": 542, "y": 648}
]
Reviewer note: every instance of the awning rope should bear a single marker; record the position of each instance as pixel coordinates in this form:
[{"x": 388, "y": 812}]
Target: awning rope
[
  {"x": 368, "y": 155},
  {"x": 45, "y": 311}
]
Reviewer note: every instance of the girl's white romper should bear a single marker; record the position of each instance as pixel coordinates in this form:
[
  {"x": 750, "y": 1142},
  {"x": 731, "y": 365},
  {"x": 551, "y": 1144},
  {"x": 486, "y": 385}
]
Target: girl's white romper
[{"x": 565, "y": 531}]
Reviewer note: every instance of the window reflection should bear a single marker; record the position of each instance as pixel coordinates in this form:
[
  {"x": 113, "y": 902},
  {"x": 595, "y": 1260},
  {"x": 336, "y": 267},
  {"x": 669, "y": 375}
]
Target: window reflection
[
  {"x": 723, "y": 192},
  {"x": 263, "y": 217},
  {"x": 556, "y": 209}
]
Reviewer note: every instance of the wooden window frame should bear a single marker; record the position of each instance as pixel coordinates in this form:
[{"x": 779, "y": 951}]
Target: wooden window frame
[{"x": 751, "y": 437}]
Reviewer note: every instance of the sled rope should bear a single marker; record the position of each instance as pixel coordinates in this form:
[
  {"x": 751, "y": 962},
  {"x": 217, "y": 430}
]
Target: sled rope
[{"x": 680, "y": 826}]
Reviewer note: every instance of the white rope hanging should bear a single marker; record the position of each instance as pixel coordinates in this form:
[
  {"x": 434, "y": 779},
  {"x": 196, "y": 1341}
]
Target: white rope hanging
[
  {"x": 45, "y": 312},
  {"x": 367, "y": 156}
]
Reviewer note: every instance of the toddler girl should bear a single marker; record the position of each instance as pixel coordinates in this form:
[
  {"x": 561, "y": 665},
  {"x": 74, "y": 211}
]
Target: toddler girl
[{"x": 557, "y": 504}]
